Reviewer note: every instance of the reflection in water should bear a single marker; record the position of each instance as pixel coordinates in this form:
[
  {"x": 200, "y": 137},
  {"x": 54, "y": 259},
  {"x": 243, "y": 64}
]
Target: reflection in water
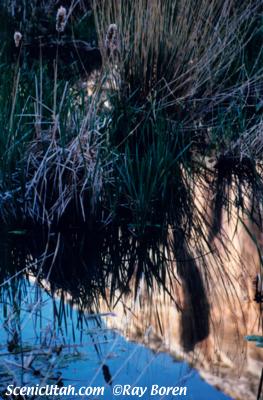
[
  {"x": 171, "y": 308},
  {"x": 195, "y": 312},
  {"x": 54, "y": 343}
]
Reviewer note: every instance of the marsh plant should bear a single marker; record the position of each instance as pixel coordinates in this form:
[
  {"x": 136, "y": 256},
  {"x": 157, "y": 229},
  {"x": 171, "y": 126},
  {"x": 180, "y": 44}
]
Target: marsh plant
[
  {"x": 139, "y": 121},
  {"x": 175, "y": 109}
]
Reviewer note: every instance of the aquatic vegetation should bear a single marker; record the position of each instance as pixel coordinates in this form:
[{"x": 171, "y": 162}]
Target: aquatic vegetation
[
  {"x": 67, "y": 150},
  {"x": 164, "y": 147},
  {"x": 161, "y": 161}
]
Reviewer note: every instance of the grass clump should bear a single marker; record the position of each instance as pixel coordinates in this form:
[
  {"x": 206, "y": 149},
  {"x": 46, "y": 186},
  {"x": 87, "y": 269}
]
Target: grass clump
[
  {"x": 179, "y": 85},
  {"x": 148, "y": 144}
]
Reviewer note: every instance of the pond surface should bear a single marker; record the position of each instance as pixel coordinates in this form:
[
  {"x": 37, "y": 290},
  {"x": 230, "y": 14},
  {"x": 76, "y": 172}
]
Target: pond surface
[
  {"x": 47, "y": 341},
  {"x": 63, "y": 324}
]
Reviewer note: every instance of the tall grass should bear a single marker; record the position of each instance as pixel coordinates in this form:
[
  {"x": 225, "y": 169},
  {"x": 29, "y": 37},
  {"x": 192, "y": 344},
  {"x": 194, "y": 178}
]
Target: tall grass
[
  {"x": 183, "y": 49},
  {"x": 167, "y": 144},
  {"x": 188, "y": 75},
  {"x": 177, "y": 91},
  {"x": 180, "y": 86}
]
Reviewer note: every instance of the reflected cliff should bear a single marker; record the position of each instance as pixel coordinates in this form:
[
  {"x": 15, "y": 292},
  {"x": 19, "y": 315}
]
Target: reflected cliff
[
  {"x": 190, "y": 293},
  {"x": 197, "y": 314}
]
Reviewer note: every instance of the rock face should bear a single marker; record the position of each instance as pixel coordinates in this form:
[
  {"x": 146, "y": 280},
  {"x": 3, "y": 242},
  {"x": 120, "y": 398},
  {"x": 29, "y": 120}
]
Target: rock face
[{"x": 217, "y": 310}]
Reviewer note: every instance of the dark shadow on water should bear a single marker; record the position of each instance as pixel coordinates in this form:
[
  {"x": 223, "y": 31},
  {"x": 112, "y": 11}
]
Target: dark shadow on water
[
  {"x": 195, "y": 314},
  {"x": 66, "y": 277},
  {"x": 90, "y": 266}
]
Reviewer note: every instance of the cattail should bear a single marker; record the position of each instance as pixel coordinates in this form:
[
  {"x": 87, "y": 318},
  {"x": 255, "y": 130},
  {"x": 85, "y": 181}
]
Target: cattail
[
  {"x": 17, "y": 38},
  {"x": 112, "y": 42},
  {"x": 61, "y": 19}
]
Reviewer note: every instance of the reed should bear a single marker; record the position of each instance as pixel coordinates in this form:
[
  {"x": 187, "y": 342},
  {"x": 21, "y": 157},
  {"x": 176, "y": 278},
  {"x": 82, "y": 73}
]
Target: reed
[{"x": 176, "y": 89}]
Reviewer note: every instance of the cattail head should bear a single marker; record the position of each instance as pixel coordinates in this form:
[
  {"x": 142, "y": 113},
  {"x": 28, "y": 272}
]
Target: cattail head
[
  {"x": 61, "y": 19},
  {"x": 17, "y": 38},
  {"x": 112, "y": 41}
]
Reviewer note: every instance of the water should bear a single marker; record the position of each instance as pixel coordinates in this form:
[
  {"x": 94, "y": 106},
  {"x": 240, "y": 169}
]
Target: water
[
  {"x": 67, "y": 319},
  {"x": 91, "y": 353}
]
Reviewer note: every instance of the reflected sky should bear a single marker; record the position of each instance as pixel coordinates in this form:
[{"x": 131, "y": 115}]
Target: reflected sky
[{"x": 67, "y": 347}]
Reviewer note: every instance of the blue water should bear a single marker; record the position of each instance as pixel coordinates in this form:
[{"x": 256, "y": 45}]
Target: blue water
[{"x": 46, "y": 323}]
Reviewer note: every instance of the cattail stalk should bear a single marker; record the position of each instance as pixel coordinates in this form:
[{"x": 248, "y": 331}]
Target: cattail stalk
[
  {"x": 61, "y": 19},
  {"x": 17, "y": 38}
]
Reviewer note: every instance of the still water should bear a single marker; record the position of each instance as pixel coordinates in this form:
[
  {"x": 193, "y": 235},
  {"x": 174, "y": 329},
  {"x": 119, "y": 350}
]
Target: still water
[
  {"x": 47, "y": 341},
  {"x": 61, "y": 323}
]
